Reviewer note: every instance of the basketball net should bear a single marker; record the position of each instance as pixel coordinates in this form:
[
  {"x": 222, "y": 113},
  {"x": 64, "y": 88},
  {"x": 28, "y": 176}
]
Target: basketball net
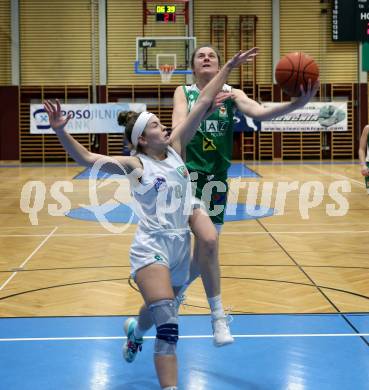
[{"x": 166, "y": 72}]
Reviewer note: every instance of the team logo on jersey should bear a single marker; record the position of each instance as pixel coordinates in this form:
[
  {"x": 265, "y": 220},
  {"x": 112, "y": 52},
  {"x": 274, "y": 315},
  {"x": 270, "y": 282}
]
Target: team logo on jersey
[
  {"x": 208, "y": 145},
  {"x": 182, "y": 170},
  {"x": 211, "y": 126},
  {"x": 222, "y": 111},
  {"x": 158, "y": 258},
  {"x": 215, "y": 127},
  {"x": 159, "y": 183},
  {"x": 191, "y": 102}
]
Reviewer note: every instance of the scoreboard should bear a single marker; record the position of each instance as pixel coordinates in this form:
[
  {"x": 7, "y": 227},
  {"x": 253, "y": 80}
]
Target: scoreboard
[
  {"x": 350, "y": 20},
  {"x": 166, "y": 13}
]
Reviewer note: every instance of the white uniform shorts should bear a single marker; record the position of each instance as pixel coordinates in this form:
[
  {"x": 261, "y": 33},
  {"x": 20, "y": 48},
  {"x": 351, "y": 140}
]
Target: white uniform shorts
[{"x": 170, "y": 250}]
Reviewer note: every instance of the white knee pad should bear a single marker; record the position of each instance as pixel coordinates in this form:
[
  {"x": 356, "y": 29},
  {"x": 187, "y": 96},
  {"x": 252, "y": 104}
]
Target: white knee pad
[{"x": 164, "y": 314}]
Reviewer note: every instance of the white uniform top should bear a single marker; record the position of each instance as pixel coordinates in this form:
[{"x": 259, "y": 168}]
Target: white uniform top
[
  {"x": 162, "y": 197},
  {"x": 162, "y": 202}
]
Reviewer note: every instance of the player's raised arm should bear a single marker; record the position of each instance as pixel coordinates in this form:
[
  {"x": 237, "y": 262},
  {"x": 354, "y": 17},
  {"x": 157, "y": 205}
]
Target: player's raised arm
[{"x": 118, "y": 165}]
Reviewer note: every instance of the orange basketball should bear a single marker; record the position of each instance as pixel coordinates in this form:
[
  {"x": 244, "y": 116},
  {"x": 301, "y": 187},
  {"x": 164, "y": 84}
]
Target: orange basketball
[{"x": 295, "y": 69}]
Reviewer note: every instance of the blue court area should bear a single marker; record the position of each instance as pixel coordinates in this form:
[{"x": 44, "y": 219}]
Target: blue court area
[
  {"x": 230, "y": 172},
  {"x": 241, "y": 170},
  {"x": 123, "y": 213},
  {"x": 271, "y": 352}
]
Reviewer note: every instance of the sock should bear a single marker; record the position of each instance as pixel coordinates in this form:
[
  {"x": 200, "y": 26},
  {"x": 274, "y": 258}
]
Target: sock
[
  {"x": 138, "y": 332},
  {"x": 170, "y": 388},
  {"x": 216, "y": 307}
]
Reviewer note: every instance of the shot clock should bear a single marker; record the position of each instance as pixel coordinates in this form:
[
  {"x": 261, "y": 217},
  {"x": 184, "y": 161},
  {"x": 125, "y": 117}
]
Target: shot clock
[{"x": 165, "y": 13}]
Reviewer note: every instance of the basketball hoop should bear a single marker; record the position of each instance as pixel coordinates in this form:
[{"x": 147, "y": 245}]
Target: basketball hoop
[{"x": 166, "y": 72}]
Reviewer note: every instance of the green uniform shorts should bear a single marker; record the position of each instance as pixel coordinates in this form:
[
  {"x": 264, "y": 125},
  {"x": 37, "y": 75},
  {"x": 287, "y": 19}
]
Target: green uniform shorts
[{"x": 213, "y": 191}]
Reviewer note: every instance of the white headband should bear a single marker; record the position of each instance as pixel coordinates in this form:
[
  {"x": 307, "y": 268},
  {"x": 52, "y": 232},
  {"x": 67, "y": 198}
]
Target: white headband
[{"x": 139, "y": 126}]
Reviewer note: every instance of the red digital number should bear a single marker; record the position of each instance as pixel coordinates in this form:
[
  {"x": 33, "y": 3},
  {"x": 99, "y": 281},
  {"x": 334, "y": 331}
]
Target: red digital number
[{"x": 166, "y": 17}]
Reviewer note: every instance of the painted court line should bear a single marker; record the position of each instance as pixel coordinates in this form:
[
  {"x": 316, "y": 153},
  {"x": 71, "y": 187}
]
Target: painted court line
[
  {"x": 82, "y": 338},
  {"x": 27, "y": 227},
  {"x": 69, "y": 235},
  {"x": 223, "y": 233},
  {"x": 301, "y": 232},
  {"x": 238, "y": 224},
  {"x": 28, "y": 258},
  {"x": 338, "y": 176}
]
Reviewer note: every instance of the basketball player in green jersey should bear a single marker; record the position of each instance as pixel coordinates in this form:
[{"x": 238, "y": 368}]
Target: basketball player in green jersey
[
  {"x": 208, "y": 157},
  {"x": 364, "y": 155}
]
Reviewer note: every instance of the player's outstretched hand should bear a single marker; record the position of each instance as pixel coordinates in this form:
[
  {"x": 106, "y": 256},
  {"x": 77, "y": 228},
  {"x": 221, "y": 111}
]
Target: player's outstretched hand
[
  {"x": 309, "y": 93},
  {"x": 56, "y": 119},
  {"x": 241, "y": 57}
]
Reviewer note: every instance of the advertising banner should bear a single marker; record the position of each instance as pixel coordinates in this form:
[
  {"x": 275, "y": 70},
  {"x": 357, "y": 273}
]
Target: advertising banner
[
  {"x": 86, "y": 118},
  {"x": 314, "y": 116}
]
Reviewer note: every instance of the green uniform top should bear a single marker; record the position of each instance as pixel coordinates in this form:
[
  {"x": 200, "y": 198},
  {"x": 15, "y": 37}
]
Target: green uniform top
[{"x": 210, "y": 150}]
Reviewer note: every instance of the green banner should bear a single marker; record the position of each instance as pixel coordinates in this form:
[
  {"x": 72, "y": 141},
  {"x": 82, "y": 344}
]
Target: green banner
[{"x": 365, "y": 56}]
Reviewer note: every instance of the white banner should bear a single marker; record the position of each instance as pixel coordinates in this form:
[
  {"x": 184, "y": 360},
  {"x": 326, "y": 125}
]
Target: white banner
[
  {"x": 314, "y": 116},
  {"x": 86, "y": 118}
]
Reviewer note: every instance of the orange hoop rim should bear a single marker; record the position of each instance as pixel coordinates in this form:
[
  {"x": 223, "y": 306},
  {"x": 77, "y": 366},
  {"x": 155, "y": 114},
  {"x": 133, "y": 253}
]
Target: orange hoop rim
[
  {"x": 167, "y": 68},
  {"x": 166, "y": 72}
]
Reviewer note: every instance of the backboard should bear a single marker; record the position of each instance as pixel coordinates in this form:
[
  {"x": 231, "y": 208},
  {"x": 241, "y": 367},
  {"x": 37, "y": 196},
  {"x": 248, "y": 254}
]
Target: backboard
[{"x": 152, "y": 52}]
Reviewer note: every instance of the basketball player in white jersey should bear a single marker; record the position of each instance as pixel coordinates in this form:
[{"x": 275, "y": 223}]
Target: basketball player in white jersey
[{"x": 159, "y": 182}]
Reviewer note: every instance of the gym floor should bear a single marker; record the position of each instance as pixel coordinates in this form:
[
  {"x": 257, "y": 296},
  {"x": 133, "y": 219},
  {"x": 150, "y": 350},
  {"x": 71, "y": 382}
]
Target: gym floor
[{"x": 298, "y": 290}]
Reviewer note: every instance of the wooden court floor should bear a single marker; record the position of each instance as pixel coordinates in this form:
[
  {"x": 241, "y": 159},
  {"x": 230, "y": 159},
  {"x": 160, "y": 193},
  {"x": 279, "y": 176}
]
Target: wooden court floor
[{"x": 304, "y": 260}]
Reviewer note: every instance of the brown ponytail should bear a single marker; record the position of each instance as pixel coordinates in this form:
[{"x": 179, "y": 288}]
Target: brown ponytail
[{"x": 128, "y": 120}]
